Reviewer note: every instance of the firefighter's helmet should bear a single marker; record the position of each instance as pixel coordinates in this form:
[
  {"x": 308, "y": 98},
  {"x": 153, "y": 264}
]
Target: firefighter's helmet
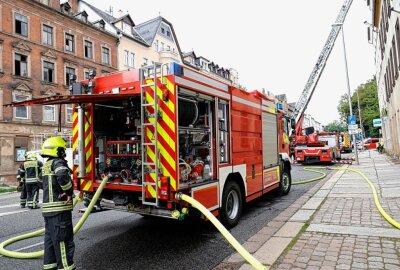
[{"x": 54, "y": 147}]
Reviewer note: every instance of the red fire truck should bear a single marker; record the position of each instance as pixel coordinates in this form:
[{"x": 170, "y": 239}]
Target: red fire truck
[
  {"x": 318, "y": 147},
  {"x": 164, "y": 129}
]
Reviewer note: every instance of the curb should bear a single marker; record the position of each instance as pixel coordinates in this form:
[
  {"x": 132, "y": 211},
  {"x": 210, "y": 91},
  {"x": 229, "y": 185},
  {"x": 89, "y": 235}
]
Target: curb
[{"x": 268, "y": 244}]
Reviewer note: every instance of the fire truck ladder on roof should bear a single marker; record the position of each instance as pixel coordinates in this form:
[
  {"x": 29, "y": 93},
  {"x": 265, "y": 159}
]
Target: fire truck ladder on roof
[
  {"x": 312, "y": 82},
  {"x": 149, "y": 120}
]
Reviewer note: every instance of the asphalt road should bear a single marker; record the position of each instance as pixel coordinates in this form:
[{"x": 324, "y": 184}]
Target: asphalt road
[{"x": 117, "y": 240}]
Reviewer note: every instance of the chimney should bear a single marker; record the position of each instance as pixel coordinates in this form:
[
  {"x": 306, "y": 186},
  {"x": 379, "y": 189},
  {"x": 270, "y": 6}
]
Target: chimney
[
  {"x": 120, "y": 13},
  {"x": 74, "y": 5}
]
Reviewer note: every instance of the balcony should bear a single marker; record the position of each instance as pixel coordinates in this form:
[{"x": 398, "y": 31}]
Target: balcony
[{"x": 168, "y": 56}]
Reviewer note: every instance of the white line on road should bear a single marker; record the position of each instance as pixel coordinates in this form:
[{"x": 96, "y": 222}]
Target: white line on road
[
  {"x": 9, "y": 205},
  {"x": 12, "y": 212}
]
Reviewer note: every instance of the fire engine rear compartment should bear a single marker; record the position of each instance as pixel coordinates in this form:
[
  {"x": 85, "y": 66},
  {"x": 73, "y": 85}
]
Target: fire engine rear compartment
[{"x": 117, "y": 133}]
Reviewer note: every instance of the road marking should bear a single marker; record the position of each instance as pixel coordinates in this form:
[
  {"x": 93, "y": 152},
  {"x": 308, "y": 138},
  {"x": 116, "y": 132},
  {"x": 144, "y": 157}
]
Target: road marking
[
  {"x": 12, "y": 212},
  {"x": 9, "y": 205}
]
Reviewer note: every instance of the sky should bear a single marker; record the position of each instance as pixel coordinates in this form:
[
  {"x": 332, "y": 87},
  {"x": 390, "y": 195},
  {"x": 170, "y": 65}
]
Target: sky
[{"x": 272, "y": 44}]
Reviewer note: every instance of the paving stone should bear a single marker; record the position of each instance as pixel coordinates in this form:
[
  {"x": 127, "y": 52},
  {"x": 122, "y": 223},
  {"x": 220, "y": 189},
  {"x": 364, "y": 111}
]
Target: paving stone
[
  {"x": 313, "y": 203},
  {"x": 290, "y": 229},
  {"x": 321, "y": 193},
  {"x": 302, "y": 215},
  {"x": 381, "y": 232},
  {"x": 272, "y": 249}
]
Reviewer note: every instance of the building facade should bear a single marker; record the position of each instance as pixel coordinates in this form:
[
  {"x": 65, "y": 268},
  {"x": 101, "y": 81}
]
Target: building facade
[
  {"x": 386, "y": 40},
  {"x": 139, "y": 45},
  {"x": 42, "y": 43}
]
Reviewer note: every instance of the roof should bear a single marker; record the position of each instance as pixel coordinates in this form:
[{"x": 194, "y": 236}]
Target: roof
[
  {"x": 125, "y": 18},
  {"x": 111, "y": 20},
  {"x": 148, "y": 31}
]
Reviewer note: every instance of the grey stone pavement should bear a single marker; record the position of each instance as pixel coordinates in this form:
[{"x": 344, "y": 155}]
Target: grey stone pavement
[{"x": 335, "y": 225}]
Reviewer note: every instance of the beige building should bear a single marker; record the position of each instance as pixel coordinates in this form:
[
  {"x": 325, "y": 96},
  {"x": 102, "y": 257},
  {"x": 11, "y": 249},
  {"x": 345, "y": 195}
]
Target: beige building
[
  {"x": 386, "y": 40},
  {"x": 139, "y": 45}
]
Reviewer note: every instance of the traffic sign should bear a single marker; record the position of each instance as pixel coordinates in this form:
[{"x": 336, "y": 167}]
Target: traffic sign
[
  {"x": 351, "y": 120},
  {"x": 377, "y": 122},
  {"x": 353, "y": 129}
]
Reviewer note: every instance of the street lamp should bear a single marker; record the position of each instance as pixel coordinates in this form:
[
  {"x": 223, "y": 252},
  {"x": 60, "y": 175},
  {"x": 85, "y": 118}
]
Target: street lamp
[{"x": 348, "y": 87}]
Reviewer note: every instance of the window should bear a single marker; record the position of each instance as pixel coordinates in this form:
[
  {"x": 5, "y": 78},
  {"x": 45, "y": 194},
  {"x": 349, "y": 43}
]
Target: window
[
  {"x": 21, "y": 146},
  {"x": 45, "y": 2},
  {"x": 21, "y": 112},
  {"x": 126, "y": 57},
  {"x": 21, "y": 24},
  {"x": 1, "y": 57},
  {"x": 397, "y": 31},
  {"x": 145, "y": 61},
  {"x": 105, "y": 56},
  {"x": 168, "y": 33},
  {"x": 156, "y": 46},
  {"x": 396, "y": 69},
  {"x": 48, "y": 71},
  {"x": 49, "y": 113},
  {"x": 69, "y": 42},
  {"x": 69, "y": 113},
  {"x": 162, "y": 46},
  {"x": 223, "y": 126},
  {"x": 21, "y": 65},
  {"x": 86, "y": 74},
  {"x": 131, "y": 62},
  {"x": 168, "y": 48},
  {"x": 162, "y": 30},
  {"x": 88, "y": 49},
  {"x": 47, "y": 35},
  {"x": 68, "y": 72}
]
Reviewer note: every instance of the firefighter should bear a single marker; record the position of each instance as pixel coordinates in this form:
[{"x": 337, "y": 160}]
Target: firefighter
[
  {"x": 21, "y": 186},
  {"x": 31, "y": 172},
  {"x": 59, "y": 244}
]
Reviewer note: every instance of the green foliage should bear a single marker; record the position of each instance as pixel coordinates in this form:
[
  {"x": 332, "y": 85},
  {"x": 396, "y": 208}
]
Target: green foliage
[
  {"x": 368, "y": 95},
  {"x": 336, "y": 126}
]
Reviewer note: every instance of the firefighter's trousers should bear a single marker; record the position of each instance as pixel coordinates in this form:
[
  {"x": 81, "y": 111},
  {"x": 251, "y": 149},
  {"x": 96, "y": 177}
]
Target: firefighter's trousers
[
  {"x": 59, "y": 244},
  {"x": 32, "y": 190},
  {"x": 23, "y": 195}
]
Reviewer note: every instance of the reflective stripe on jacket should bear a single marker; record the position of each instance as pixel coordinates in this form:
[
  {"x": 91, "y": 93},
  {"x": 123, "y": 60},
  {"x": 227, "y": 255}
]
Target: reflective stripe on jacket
[
  {"x": 56, "y": 181},
  {"x": 31, "y": 170}
]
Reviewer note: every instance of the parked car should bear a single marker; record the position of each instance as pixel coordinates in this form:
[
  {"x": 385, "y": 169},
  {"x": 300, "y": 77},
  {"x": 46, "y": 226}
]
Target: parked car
[{"x": 371, "y": 143}]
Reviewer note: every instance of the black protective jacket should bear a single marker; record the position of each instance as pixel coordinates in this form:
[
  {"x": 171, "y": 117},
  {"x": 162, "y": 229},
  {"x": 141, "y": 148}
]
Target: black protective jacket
[
  {"x": 30, "y": 171},
  {"x": 57, "y": 181}
]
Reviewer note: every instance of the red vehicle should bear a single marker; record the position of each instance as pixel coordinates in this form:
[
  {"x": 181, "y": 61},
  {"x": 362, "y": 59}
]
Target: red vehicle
[
  {"x": 319, "y": 147},
  {"x": 371, "y": 143},
  {"x": 165, "y": 129}
]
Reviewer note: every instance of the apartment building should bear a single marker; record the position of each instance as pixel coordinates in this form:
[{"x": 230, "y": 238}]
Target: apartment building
[
  {"x": 42, "y": 43},
  {"x": 386, "y": 40}
]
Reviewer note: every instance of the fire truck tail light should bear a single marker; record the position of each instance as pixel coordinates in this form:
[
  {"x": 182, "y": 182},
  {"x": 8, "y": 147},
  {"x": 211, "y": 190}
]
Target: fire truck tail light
[{"x": 164, "y": 188}]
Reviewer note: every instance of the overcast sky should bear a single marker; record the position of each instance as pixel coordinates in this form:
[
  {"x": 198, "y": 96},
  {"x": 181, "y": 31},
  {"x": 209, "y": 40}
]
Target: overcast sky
[{"x": 272, "y": 44}]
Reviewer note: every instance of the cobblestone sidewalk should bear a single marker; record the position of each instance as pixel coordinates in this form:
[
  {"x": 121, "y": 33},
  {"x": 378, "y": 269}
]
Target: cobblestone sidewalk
[
  {"x": 347, "y": 231},
  {"x": 335, "y": 225}
]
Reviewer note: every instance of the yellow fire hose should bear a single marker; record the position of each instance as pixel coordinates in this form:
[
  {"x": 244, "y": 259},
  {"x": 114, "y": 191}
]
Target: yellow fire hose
[
  {"x": 311, "y": 169},
  {"x": 378, "y": 205},
  {"x": 37, "y": 254},
  {"x": 245, "y": 254}
]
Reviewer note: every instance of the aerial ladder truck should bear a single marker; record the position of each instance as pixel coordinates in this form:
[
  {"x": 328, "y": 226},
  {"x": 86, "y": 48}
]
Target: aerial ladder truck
[{"x": 308, "y": 147}]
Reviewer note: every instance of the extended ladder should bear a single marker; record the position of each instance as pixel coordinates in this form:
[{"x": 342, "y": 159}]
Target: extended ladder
[{"x": 149, "y": 123}]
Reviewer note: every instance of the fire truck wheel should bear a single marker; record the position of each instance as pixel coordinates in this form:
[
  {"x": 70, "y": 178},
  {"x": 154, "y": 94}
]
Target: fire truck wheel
[
  {"x": 232, "y": 203},
  {"x": 285, "y": 183}
]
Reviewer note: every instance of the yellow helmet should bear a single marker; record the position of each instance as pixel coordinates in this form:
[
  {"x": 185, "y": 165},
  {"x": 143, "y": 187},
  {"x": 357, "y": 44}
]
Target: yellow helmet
[{"x": 54, "y": 147}]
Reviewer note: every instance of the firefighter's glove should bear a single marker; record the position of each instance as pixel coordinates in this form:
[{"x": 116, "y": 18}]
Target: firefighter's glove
[{"x": 19, "y": 187}]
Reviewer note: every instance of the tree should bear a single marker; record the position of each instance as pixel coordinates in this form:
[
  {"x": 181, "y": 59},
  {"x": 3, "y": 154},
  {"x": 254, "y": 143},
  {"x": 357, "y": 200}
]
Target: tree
[
  {"x": 368, "y": 95},
  {"x": 336, "y": 126}
]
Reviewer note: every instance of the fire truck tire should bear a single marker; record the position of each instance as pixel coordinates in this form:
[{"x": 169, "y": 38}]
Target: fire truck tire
[
  {"x": 232, "y": 203},
  {"x": 285, "y": 184}
]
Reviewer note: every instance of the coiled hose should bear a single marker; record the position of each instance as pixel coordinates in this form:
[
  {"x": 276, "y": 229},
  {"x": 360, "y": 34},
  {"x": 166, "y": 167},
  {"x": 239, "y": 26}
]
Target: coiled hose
[
  {"x": 37, "y": 254},
  {"x": 244, "y": 253}
]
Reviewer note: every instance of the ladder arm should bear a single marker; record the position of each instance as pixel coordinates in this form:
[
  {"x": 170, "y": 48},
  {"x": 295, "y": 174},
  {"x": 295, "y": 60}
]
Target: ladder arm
[{"x": 312, "y": 82}]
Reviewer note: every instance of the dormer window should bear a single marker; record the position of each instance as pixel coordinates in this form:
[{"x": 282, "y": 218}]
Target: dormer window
[
  {"x": 83, "y": 16},
  {"x": 100, "y": 24}
]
